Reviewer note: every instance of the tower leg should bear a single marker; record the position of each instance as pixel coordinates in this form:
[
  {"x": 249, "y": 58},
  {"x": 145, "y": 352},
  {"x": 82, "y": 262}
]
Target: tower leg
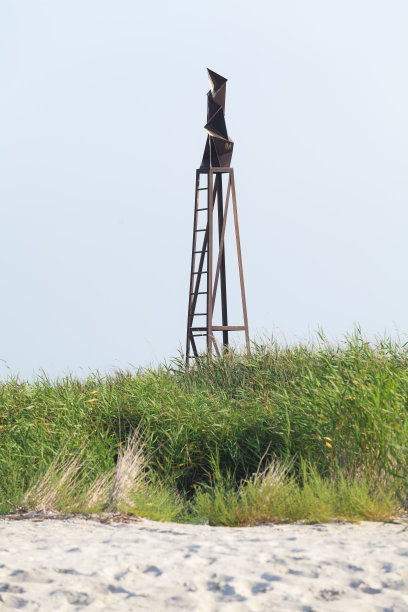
[
  {"x": 190, "y": 339},
  {"x": 210, "y": 200},
  {"x": 223, "y": 281},
  {"x": 241, "y": 272}
]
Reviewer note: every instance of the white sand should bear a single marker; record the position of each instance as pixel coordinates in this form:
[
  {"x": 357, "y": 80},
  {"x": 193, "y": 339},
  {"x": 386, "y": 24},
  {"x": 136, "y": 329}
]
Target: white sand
[{"x": 73, "y": 564}]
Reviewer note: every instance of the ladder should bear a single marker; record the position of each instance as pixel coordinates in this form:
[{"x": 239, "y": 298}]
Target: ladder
[{"x": 199, "y": 275}]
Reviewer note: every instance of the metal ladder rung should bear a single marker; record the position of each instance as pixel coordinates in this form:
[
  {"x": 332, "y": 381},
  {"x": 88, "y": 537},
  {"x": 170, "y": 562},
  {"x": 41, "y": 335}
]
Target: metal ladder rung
[
  {"x": 202, "y": 272},
  {"x": 200, "y": 314},
  {"x": 200, "y": 230},
  {"x": 195, "y": 252},
  {"x": 202, "y": 189},
  {"x": 196, "y": 335},
  {"x": 199, "y": 293},
  {"x": 201, "y": 209}
]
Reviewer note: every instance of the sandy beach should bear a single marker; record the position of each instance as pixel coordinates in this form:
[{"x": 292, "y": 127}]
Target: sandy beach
[{"x": 74, "y": 564}]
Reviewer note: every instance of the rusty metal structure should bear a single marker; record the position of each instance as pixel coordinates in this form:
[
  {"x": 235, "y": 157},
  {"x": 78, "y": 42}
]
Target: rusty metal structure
[{"x": 204, "y": 280}]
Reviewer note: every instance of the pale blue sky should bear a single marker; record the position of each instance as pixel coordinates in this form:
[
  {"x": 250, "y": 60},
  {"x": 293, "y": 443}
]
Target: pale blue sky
[{"x": 102, "y": 110}]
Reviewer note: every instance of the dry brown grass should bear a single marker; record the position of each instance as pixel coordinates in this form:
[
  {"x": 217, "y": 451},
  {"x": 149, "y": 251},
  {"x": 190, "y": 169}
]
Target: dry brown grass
[{"x": 63, "y": 488}]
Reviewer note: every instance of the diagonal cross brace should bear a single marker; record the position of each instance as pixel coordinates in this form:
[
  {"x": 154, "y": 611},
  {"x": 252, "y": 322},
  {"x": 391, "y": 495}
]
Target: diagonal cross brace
[{"x": 221, "y": 246}]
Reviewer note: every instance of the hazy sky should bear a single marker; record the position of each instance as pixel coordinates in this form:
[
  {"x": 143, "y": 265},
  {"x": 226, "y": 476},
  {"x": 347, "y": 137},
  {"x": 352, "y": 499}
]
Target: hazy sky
[{"x": 102, "y": 108}]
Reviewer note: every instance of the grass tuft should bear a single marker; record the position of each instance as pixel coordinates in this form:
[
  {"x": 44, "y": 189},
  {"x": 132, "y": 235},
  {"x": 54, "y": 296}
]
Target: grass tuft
[{"x": 274, "y": 496}]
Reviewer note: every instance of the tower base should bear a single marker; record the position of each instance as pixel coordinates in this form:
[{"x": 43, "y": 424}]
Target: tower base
[{"x": 205, "y": 276}]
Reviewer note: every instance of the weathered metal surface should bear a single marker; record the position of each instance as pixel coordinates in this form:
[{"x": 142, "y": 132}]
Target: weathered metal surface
[
  {"x": 203, "y": 281},
  {"x": 218, "y": 148}
]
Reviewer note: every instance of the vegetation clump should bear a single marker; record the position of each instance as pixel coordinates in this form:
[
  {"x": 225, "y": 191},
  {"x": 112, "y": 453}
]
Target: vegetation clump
[{"x": 312, "y": 432}]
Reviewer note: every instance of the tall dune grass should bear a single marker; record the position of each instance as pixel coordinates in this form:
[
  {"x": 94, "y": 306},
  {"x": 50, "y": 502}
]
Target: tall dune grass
[{"x": 339, "y": 409}]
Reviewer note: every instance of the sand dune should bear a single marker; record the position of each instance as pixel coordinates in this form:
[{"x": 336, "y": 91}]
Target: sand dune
[{"x": 73, "y": 564}]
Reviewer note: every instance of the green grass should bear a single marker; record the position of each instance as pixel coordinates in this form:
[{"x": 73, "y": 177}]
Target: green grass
[
  {"x": 333, "y": 418},
  {"x": 275, "y": 496}
]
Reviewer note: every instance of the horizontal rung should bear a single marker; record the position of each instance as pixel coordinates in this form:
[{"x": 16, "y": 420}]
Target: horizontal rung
[
  {"x": 200, "y": 314},
  {"x": 221, "y": 328},
  {"x": 200, "y": 251},
  {"x": 203, "y": 272},
  {"x": 202, "y": 189},
  {"x": 202, "y": 209},
  {"x": 228, "y": 328},
  {"x": 201, "y": 230},
  {"x": 199, "y": 293},
  {"x": 196, "y": 335}
]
